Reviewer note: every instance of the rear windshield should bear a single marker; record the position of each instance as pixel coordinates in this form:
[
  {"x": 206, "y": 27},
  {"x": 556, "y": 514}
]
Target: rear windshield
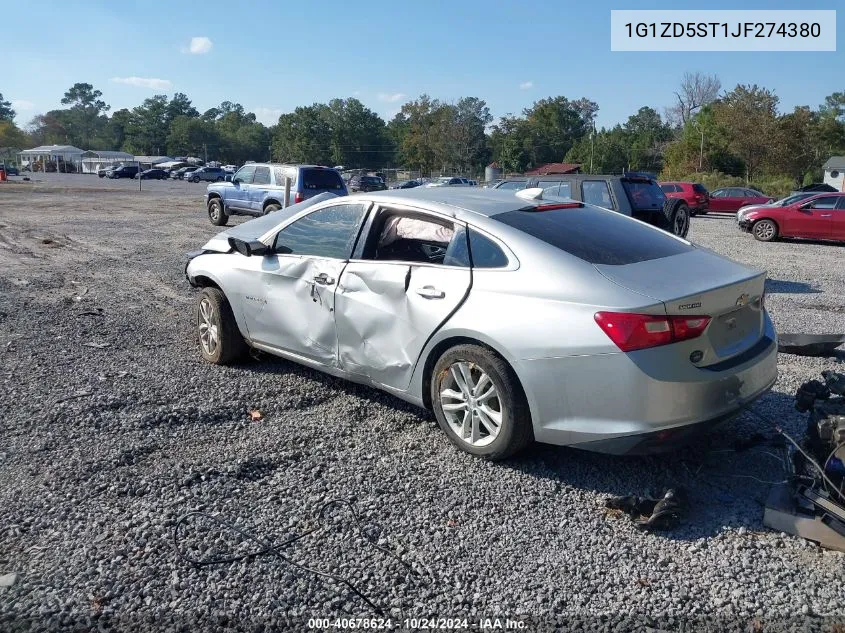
[
  {"x": 327, "y": 179},
  {"x": 596, "y": 235},
  {"x": 644, "y": 194},
  {"x": 699, "y": 188}
]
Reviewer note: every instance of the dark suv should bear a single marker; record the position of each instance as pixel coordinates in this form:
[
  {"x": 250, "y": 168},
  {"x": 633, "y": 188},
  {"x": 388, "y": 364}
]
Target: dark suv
[
  {"x": 366, "y": 183},
  {"x": 637, "y": 195},
  {"x": 124, "y": 171}
]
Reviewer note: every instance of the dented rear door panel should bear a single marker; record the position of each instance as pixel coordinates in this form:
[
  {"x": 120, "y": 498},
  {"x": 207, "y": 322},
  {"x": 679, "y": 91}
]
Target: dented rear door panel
[{"x": 387, "y": 311}]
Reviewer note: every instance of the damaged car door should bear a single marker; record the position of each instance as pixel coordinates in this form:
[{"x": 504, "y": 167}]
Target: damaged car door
[
  {"x": 410, "y": 272},
  {"x": 291, "y": 307}
]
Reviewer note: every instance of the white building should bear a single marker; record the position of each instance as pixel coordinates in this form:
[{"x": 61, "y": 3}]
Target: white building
[
  {"x": 59, "y": 155},
  {"x": 834, "y": 172},
  {"x": 92, "y": 160}
]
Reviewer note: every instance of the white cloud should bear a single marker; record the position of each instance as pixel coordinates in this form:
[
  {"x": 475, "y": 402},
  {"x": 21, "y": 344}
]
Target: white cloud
[
  {"x": 391, "y": 98},
  {"x": 22, "y": 104},
  {"x": 268, "y": 116},
  {"x": 525, "y": 85},
  {"x": 199, "y": 46},
  {"x": 143, "y": 82}
]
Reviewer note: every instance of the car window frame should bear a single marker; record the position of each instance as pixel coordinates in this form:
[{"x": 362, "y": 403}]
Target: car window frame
[
  {"x": 807, "y": 205},
  {"x": 840, "y": 203},
  {"x": 272, "y": 240},
  {"x": 269, "y": 176}
]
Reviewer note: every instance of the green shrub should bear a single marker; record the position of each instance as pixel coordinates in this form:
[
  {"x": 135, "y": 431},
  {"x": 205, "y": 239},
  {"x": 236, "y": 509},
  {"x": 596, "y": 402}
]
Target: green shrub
[{"x": 775, "y": 186}]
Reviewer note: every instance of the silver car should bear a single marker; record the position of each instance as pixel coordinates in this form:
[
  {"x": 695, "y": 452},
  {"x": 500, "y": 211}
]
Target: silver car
[{"x": 513, "y": 318}]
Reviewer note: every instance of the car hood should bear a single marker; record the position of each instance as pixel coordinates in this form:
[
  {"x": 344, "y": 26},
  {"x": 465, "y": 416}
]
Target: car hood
[
  {"x": 743, "y": 211},
  {"x": 254, "y": 229}
]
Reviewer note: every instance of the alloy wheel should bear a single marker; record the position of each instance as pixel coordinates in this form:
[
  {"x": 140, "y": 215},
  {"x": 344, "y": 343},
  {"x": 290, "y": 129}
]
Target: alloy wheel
[
  {"x": 208, "y": 329},
  {"x": 471, "y": 403},
  {"x": 764, "y": 231}
]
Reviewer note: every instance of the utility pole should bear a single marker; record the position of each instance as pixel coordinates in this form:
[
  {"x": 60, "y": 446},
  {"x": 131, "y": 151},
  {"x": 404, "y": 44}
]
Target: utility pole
[
  {"x": 592, "y": 144},
  {"x": 701, "y": 149},
  {"x": 205, "y": 152}
]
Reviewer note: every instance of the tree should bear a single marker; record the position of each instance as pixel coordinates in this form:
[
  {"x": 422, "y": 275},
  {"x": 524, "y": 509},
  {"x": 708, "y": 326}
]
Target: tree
[
  {"x": 82, "y": 95},
  {"x": 147, "y": 129},
  {"x": 697, "y": 90},
  {"x": 11, "y": 136},
  {"x": 84, "y": 121},
  {"x": 180, "y": 105},
  {"x": 555, "y": 125},
  {"x": 749, "y": 115},
  {"x": 6, "y": 111},
  {"x": 46, "y": 129},
  {"x": 302, "y": 136},
  {"x": 418, "y": 145},
  {"x": 189, "y": 136}
]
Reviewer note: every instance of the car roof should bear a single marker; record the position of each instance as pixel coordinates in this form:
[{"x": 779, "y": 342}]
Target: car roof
[{"x": 457, "y": 202}]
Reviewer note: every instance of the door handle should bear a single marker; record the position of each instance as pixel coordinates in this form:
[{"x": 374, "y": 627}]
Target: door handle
[
  {"x": 826, "y": 215},
  {"x": 430, "y": 292},
  {"x": 324, "y": 280}
]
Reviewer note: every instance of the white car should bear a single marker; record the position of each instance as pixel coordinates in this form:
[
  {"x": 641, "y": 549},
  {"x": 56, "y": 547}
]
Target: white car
[{"x": 448, "y": 181}]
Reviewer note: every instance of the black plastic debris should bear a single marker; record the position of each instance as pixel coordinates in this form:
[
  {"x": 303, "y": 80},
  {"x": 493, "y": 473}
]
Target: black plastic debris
[
  {"x": 810, "y": 344},
  {"x": 663, "y": 513}
]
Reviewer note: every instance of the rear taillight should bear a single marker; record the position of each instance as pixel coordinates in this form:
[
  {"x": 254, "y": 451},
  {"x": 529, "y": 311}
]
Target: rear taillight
[
  {"x": 639, "y": 331},
  {"x": 298, "y": 198}
]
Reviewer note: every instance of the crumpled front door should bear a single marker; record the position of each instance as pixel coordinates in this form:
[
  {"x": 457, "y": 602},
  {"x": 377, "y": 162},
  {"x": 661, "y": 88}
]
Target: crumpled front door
[{"x": 295, "y": 308}]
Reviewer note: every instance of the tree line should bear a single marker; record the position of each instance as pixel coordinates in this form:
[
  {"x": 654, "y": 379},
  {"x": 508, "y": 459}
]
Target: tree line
[{"x": 738, "y": 133}]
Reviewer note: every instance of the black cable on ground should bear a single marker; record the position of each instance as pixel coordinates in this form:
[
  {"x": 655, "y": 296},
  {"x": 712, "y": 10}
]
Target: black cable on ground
[{"x": 266, "y": 547}]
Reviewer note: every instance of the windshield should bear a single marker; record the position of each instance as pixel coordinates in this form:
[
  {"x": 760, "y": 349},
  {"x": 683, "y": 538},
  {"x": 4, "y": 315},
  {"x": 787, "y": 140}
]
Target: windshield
[
  {"x": 327, "y": 179},
  {"x": 699, "y": 189},
  {"x": 798, "y": 197},
  {"x": 644, "y": 194}
]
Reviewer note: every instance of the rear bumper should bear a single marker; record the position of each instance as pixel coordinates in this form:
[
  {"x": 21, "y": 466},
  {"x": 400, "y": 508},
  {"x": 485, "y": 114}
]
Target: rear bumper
[{"x": 611, "y": 403}]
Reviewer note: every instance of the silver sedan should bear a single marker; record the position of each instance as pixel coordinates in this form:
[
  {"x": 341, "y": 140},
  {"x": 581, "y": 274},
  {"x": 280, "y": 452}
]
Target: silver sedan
[{"x": 511, "y": 317}]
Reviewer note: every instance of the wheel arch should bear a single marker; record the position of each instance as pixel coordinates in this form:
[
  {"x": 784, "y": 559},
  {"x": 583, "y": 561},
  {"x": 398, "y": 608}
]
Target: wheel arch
[
  {"x": 437, "y": 349},
  {"x": 270, "y": 201}
]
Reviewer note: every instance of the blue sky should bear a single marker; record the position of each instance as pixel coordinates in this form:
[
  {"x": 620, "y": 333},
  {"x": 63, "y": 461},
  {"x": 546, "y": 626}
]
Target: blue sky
[{"x": 274, "y": 56}]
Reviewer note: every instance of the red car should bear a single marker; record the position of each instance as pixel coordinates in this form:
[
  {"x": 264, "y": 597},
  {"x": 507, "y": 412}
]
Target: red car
[
  {"x": 821, "y": 217},
  {"x": 729, "y": 199},
  {"x": 695, "y": 195}
]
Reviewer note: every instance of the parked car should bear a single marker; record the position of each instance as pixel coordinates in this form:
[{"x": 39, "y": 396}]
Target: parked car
[
  {"x": 456, "y": 300},
  {"x": 179, "y": 174},
  {"x": 511, "y": 184},
  {"x": 210, "y": 174},
  {"x": 365, "y": 183},
  {"x": 259, "y": 188},
  {"x": 634, "y": 194},
  {"x": 820, "y": 217},
  {"x": 103, "y": 171},
  {"x": 447, "y": 181},
  {"x": 10, "y": 170},
  {"x": 124, "y": 171},
  {"x": 406, "y": 184},
  {"x": 790, "y": 199},
  {"x": 153, "y": 174},
  {"x": 731, "y": 199},
  {"x": 694, "y": 194}
]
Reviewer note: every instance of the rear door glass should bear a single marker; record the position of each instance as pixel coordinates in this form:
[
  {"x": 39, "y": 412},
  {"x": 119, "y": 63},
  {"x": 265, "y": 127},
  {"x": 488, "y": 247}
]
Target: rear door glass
[
  {"x": 262, "y": 176},
  {"x": 513, "y": 185},
  {"x": 327, "y": 179},
  {"x": 644, "y": 194},
  {"x": 329, "y": 232},
  {"x": 595, "y": 235},
  {"x": 596, "y": 192},
  {"x": 550, "y": 187}
]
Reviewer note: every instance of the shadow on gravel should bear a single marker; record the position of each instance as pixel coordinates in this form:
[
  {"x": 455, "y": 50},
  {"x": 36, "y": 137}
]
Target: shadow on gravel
[
  {"x": 795, "y": 287},
  {"x": 726, "y": 480}
]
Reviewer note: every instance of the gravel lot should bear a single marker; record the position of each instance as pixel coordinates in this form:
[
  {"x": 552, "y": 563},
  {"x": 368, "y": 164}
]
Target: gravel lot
[{"x": 111, "y": 427}]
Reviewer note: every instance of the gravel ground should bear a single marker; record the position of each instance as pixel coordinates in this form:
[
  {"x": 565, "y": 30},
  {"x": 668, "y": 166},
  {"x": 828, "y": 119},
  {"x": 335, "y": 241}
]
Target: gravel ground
[{"x": 112, "y": 428}]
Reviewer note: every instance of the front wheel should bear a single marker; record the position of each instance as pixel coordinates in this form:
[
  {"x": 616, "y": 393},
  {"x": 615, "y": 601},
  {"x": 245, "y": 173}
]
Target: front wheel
[
  {"x": 765, "y": 230},
  {"x": 479, "y": 403},
  {"x": 220, "y": 340},
  {"x": 216, "y": 212}
]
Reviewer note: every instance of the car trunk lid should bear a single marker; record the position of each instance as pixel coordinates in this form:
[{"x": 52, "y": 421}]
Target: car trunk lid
[{"x": 700, "y": 283}]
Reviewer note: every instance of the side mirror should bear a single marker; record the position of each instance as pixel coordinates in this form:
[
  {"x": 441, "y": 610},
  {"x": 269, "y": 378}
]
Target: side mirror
[{"x": 248, "y": 249}]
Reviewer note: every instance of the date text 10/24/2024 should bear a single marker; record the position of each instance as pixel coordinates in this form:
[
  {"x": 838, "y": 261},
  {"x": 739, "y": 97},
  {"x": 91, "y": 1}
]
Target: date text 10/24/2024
[{"x": 418, "y": 624}]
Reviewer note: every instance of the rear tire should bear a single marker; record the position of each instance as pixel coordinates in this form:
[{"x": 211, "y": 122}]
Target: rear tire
[
  {"x": 765, "y": 230},
  {"x": 463, "y": 380},
  {"x": 220, "y": 340},
  {"x": 216, "y": 212},
  {"x": 271, "y": 207},
  {"x": 676, "y": 217}
]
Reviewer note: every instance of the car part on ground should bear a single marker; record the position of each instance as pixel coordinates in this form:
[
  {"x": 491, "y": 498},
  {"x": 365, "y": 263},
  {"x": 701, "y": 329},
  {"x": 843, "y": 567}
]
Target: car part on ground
[
  {"x": 337, "y": 284},
  {"x": 661, "y": 513},
  {"x": 815, "y": 511},
  {"x": 810, "y": 344}
]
